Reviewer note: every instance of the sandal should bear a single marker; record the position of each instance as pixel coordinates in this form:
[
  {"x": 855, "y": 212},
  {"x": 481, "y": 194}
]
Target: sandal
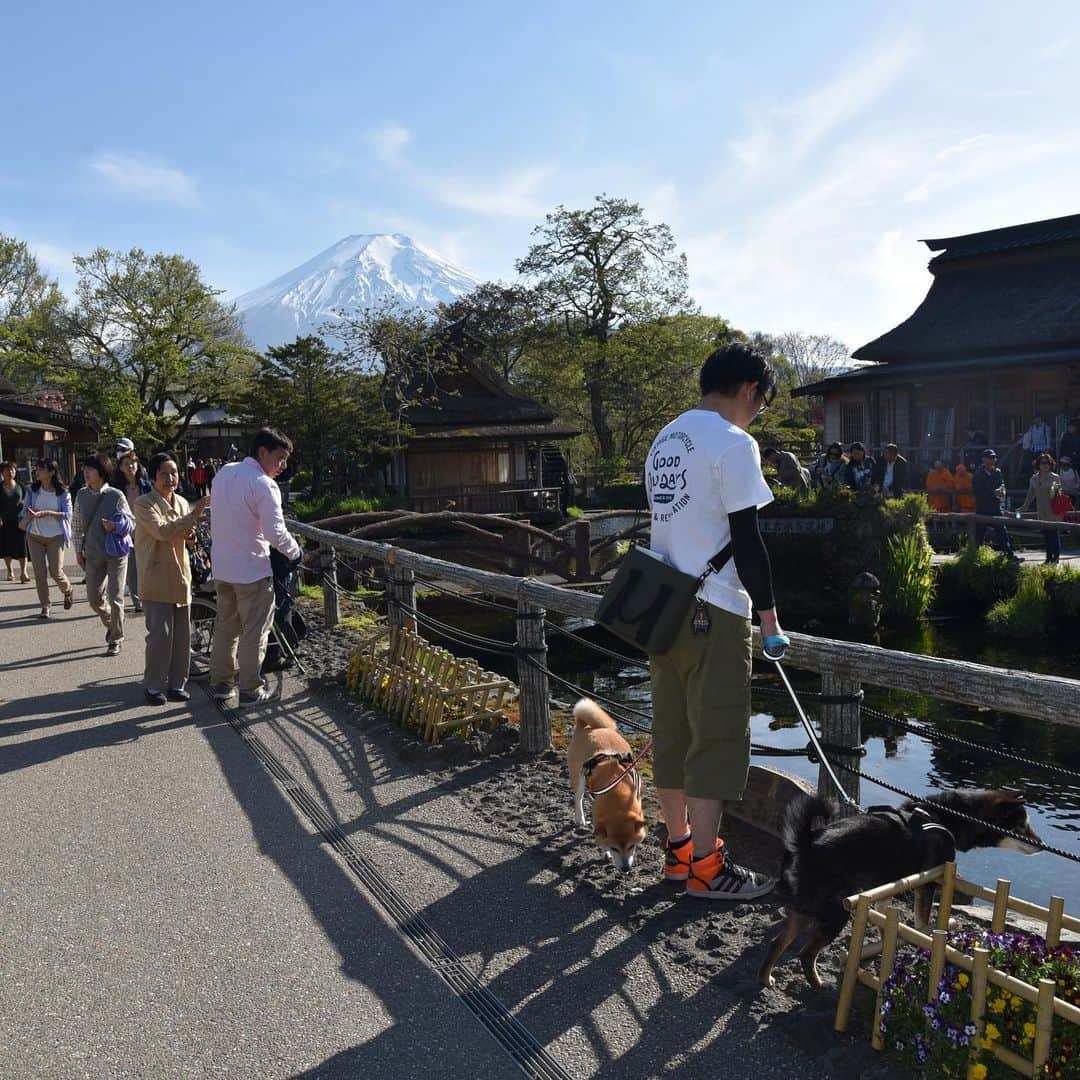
[
  {"x": 69, "y": 599},
  {"x": 25, "y": 579},
  {"x": 10, "y": 576}
]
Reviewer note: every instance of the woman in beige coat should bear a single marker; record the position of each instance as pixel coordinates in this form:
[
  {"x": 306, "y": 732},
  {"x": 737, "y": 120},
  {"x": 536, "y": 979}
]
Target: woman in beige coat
[
  {"x": 1044, "y": 486},
  {"x": 164, "y": 524}
]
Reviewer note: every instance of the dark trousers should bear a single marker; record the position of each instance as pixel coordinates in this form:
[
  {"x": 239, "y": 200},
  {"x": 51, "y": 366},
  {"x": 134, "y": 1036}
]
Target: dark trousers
[
  {"x": 1002, "y": 534},
  {"x": 1053, "y": 545}
]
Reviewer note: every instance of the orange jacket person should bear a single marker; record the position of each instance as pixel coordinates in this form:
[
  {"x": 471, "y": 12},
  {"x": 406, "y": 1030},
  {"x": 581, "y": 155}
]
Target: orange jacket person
[
  {"x": 965, "y": 497},
  {"x": 939, "y": 485}
]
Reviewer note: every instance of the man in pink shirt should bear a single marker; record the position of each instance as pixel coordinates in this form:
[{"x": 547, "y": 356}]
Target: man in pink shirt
[{"x": 245, "y": 522}]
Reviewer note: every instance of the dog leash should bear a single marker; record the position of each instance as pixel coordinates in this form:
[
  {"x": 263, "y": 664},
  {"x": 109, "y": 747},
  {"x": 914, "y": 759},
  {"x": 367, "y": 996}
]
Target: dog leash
[
  {"x": 775, "y": 647},
  {"x": 630, "y": 770}
]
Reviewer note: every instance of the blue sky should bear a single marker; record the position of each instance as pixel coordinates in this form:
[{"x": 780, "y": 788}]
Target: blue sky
[{"x": 799, "y": 151}]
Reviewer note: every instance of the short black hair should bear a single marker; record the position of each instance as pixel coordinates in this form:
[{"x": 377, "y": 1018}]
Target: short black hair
[
  {"x": 769, "y": 451},
  {"x": 9, "y": 463},
  {"x": 727, "y": 368},
  {"x": 98, "y": 462},
  {"x": 856, "y": 446},
  {"x": 269, "y": 439},
  {"x": 157, "y": 461}
]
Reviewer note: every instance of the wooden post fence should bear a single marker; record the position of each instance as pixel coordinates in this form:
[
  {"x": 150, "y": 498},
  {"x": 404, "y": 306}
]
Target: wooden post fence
[
  {"x": 841, "y": 726},
  {"x": 582, "y": 552},
  {"x": 331, "y": 600},
  {"x": 401, "y": 598},
  {"x": 533, "y": 691}
]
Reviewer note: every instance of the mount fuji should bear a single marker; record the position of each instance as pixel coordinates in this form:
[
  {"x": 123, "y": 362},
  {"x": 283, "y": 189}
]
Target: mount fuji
[{"x": 354, "y": 274}]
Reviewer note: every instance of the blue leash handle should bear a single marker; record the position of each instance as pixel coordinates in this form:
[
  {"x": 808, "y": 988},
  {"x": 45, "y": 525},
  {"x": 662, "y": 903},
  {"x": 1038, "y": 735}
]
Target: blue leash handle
[{"x": 775, "y": 646}]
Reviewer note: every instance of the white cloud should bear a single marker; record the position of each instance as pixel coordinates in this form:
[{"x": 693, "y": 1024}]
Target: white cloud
[
  {"x": 389, "y": 142},
  {"x": 515, "y": 194},
  {"x": 790, "y": 131},
  {"x": 143, "y": 177}
]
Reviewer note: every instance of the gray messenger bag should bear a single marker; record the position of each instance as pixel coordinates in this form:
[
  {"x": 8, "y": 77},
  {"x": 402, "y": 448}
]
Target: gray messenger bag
[{"x": 648, "y": 599}]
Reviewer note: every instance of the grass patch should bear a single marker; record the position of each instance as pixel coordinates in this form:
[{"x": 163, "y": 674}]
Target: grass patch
[
  {"x": 360, "y": 622},
  {"x": 1028, "y": 614},
  {"x": 976, "y": 580},
  {"x": 333, "y": 505},
  {"x": 311, "y": 592}
]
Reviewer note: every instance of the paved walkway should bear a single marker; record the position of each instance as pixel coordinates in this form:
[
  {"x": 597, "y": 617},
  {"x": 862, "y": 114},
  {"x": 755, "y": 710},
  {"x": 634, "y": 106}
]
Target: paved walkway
[{"x": 164, "y": 911}]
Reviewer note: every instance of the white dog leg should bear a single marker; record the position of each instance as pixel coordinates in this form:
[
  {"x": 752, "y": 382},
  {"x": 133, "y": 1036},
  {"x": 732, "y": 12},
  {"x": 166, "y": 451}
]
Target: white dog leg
[{"x": 579, "y": 800}]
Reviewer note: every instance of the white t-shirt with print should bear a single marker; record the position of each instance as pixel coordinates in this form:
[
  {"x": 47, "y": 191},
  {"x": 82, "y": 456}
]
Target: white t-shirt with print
[{"x": 701, "y": 468}]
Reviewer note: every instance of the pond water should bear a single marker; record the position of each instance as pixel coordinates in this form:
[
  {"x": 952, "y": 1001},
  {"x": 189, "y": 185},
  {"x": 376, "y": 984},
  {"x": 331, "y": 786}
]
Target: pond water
[{"x": 900, "y": 758}]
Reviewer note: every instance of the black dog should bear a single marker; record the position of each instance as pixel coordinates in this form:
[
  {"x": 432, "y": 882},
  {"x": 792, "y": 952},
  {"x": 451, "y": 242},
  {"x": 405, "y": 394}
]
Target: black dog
[{"x": 828, "y": 858}]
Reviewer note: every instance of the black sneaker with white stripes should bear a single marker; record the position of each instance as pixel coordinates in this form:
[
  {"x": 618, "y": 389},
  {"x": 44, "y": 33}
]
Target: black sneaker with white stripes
[{"x": 713, "y": 879}]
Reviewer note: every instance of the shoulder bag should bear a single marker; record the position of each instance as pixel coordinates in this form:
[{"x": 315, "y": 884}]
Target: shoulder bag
[{"x": 648, "y": 599}]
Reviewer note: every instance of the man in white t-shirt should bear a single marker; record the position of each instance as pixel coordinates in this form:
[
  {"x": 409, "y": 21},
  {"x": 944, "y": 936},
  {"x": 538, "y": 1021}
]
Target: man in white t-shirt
[{"x": 704, "y": 484}]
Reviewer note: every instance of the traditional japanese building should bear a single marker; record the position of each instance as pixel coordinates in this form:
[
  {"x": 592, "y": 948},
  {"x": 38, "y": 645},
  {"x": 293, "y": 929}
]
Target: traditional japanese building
[
  {"x": 995, "y": 342},
  {"x": 482, "y": 445},
  {"x": 42, "y": 425}
]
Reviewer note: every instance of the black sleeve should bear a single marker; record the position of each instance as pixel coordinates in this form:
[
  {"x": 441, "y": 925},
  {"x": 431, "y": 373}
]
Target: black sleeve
[{"x": 751, "y": 558}]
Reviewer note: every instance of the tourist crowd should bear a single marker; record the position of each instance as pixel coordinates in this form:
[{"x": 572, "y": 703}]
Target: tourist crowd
[
  {"x": 133, "y": 531},
  {"x": 974, "y": 485}
]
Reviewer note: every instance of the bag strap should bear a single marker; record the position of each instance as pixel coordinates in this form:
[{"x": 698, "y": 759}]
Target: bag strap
[{"x": 715, "y": 564}]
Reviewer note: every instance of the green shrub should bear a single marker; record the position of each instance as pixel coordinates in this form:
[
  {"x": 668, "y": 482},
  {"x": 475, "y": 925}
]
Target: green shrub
[
  {"x": 1062, "y": 584},
  {"x": 1028, "y": 614},
  {"x": 575, "y": 513},
  {"x": 975, "y": 580},
  {"x": 907, "y": 574}
]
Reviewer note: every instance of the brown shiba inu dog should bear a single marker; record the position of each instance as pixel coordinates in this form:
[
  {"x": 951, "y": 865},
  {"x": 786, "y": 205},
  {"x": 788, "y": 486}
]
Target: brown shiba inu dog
[{"x": 599, "y": 757}]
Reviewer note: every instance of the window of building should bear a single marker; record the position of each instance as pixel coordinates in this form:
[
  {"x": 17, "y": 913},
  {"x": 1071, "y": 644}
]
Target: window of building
[{"x": 852, "y": 424}]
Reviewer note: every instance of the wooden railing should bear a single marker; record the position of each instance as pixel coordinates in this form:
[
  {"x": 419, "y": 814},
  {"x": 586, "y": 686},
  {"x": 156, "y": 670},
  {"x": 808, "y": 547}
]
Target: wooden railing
[
  {"x": 844, "y": 666},
  {"x": 972, "y": 521}
]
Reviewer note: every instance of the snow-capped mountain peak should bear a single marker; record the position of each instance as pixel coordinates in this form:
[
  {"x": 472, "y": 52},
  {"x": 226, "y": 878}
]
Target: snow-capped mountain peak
[{"x": 354, "y": 274}]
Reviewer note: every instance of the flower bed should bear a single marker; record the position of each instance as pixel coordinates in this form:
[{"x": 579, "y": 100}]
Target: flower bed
[{"x": 940, "y": 1039}]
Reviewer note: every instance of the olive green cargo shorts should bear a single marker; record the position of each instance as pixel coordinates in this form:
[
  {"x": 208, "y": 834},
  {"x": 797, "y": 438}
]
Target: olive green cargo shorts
[{"x": 701, "y": 709}]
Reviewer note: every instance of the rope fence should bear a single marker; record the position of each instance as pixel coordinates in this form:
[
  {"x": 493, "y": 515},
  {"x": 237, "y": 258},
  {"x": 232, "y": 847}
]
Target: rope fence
[{"x": 840, "y": 699}]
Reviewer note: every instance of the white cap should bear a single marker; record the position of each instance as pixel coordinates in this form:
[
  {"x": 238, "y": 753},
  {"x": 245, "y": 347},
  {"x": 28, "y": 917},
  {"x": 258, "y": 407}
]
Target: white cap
[{"x": 124, "y": 446}]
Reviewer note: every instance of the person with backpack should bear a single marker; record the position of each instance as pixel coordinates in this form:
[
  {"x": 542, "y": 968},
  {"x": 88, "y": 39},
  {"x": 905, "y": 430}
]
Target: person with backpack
[
  {"x": 704, "y": 485},
  {"x": 101, "y": 531}
]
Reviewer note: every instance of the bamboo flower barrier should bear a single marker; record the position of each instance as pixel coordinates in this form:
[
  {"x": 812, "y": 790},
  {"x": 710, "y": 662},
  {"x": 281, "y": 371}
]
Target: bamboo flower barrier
[
  {"x": 982, "y": 974},
  {"x": 425, "y": 687}
]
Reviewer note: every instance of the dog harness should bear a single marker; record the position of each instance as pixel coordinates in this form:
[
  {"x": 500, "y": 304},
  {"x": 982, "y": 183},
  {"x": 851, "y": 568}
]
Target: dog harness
[
  {"x": 917, "y": 822},
  {"x": 629, "y": 760}
]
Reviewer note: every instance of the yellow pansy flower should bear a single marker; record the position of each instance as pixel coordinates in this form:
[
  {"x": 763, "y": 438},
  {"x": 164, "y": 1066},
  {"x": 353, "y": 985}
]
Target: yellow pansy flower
[
  {"x": 963, "y": 980},
  {"x": 1029, "y": 1030},
  {"x": 997, "y": 1005},
  {"x": 978, "y": 1072},
  {"x": 992, "y": 1032}
]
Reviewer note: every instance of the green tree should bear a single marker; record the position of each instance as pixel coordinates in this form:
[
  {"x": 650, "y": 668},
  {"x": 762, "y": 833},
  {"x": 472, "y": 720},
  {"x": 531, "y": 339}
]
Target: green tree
[
  {"x": 504, "y": 320},
  {"x": 650, "y": 376},
  {"x": 599, "y": 270},
  {"x": 31, "y": 314},
  {"x": 150, "y": 344},
  {"x": 333, "y": 413},
  {"x": 398, "y": 348}
]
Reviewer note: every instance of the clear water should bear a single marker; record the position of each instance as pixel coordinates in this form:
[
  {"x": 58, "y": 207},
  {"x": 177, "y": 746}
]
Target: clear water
[{"x": 903, "y": 759}]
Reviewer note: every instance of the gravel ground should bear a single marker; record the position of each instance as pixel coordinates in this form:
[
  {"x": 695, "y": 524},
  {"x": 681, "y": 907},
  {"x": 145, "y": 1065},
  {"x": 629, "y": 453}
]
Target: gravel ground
[{"x": 718, "y": 946}]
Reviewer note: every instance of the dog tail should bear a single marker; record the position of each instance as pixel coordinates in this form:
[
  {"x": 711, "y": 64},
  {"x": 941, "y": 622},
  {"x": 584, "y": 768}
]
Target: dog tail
[
  {"x": 797, "y": 832},
  {"x": 587, "y": 714}
]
